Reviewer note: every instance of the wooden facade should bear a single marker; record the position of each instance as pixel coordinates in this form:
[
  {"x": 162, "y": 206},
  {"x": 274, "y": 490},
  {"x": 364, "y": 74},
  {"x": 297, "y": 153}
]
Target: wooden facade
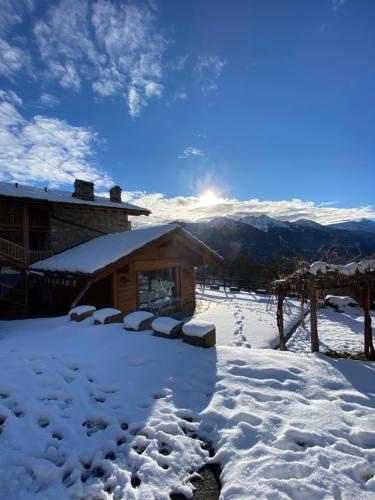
[{"x": 119, "y": 284}]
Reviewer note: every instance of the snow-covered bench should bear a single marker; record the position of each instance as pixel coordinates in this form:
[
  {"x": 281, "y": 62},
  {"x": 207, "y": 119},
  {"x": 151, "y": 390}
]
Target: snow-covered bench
[
  {"x": 199, "y": 333},
  {"x": 107, "y": 315},
  {"x": 80, "y": 313},
  {"x": 166, "y": 327},
  {"x": 138, "y": 320}
]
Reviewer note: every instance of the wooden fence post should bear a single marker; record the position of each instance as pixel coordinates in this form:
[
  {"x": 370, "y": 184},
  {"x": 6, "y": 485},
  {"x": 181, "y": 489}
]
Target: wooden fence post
[
  {"x": 280, "y": 319},
  {"x": 302, "y": 310},
  {"x": 313, "y": 316},
  {"x": 369, "y": 350}
]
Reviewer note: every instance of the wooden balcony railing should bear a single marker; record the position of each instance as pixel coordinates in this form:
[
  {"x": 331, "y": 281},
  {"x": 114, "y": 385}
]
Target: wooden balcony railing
[
  {"x": 13, "y": 294},
  {"x": 36, "y": 255},
  {"x": 10, "y": 219},
  {"x": 12, "y": 250}
]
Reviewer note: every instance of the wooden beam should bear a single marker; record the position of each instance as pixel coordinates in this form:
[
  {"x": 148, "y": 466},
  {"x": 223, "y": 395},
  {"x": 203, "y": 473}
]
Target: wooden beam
[
  {"x": 280, "y": 319},
  {"x": 313, "y": 316}
]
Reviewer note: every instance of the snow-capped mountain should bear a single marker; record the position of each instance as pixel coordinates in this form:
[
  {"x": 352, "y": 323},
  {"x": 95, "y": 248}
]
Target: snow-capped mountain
[
  {"x": 262, "y": 222},
  {"x": 363, "y": 225}
]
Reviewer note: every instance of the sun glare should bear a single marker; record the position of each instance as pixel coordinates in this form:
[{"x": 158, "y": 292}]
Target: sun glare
[{"x": 208, "y": 198}]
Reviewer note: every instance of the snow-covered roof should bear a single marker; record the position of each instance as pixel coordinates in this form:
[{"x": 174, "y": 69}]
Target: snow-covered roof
[
  {"x": 100, "y": 252},
  {"x": 60, "y": 196}
]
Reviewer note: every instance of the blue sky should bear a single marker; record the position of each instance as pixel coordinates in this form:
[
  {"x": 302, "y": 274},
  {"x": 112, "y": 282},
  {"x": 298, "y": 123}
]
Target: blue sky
[{"x": 267, "y": 105}]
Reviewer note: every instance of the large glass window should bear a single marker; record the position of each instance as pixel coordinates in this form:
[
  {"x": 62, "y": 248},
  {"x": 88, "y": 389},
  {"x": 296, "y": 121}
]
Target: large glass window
[{"x": 157, "y": 288}]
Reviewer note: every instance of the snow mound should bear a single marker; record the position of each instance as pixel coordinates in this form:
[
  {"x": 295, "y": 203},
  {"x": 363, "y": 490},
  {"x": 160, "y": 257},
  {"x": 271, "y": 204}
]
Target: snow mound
[
  {"x": 340, "y": 302},
  {"x": 197, "y": 328},
  {"x": 133, "y": 320},
  {"x": 103, "y": 314},
  {"x": 164, "y": 324}
]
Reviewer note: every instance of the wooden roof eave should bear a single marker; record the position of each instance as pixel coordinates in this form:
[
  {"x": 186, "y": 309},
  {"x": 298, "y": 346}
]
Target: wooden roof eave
[{"x": 199, "y": 248}]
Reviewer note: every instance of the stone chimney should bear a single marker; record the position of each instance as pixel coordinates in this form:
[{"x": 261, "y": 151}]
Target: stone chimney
[
  {"x": 115, "y": 194},
  {"x": 83, "y": 190}
]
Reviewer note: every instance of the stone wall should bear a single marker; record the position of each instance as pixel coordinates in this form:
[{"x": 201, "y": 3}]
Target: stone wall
[{"x": 72, "y": 225}]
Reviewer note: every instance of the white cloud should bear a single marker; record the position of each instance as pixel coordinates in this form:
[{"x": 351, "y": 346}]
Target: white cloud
[
  {"x": 42, "y": 149},
  {"x": 190, "y": 152},
  {"x": 114, "y": 46},
  {"x": 48, "y": 100},
  {"x": 210, "y": 68},
  {"x": 189, "y": 208},
  {"x": 14, "y": 56},
  {"x": 336, "y": 4}
]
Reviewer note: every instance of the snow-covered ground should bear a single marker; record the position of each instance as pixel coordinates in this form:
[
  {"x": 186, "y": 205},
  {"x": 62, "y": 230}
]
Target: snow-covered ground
[
  {"x": 337, "y": 331},
  {"x": 244, "y": 319},
  {"x": 98, "y": 412}
]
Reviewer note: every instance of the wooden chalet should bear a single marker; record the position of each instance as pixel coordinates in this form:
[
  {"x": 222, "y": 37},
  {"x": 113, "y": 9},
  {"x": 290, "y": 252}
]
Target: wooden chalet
[
  {"x": 152, "y": 269},
  {"x": 36, "y": 223}
]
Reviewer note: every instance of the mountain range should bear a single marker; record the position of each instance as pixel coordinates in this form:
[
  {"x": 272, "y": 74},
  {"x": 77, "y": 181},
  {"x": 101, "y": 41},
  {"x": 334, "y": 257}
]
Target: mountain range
[{"x": 246, "y": 240}]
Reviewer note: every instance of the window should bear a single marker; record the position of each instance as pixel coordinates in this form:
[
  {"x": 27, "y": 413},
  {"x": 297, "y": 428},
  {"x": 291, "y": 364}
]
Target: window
[{"x": 157, "y": 288}]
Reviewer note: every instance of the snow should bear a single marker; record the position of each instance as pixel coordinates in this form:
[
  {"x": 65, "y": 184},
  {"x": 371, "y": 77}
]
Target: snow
[
  {"x": 82, "y": 309},
  {"x": 261, "y": 221},
  {"x": 95, "y": 254},
  {"x": 340, "y": 302},
  {"x": 134, "y": 319},
  {"x": 197, "y": 328},
  {"x": 86, "y": 411},
  {"x": 338, "y": 331},
  {"x": 102, "y": 314},
  {"x": 59, "y": 196},
  {"x": 164, "y": 324},
  {"x": 366, "y": 265},
  {"x": 244, "y": 319}
]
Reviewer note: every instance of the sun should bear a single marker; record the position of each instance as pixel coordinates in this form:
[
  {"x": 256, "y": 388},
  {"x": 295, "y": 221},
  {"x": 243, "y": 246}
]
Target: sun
[{"x": 208, "y": 198}]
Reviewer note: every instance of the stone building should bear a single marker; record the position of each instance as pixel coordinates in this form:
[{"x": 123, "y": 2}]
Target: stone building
[{"x": 36, "y": 223}]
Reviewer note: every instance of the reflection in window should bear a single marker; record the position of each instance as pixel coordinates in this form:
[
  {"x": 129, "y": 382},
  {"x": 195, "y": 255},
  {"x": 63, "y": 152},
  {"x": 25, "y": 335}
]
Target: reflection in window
[{"x": 157, "y": 288}]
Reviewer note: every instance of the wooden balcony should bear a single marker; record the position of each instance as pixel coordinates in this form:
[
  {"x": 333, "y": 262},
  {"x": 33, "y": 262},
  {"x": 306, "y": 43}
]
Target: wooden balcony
[
  {"x": 16, "y": 220},
  {"x": 35, "y": 255},
  {"x": 12, "y": 251},
  {"x": 15, "y": 254}
]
